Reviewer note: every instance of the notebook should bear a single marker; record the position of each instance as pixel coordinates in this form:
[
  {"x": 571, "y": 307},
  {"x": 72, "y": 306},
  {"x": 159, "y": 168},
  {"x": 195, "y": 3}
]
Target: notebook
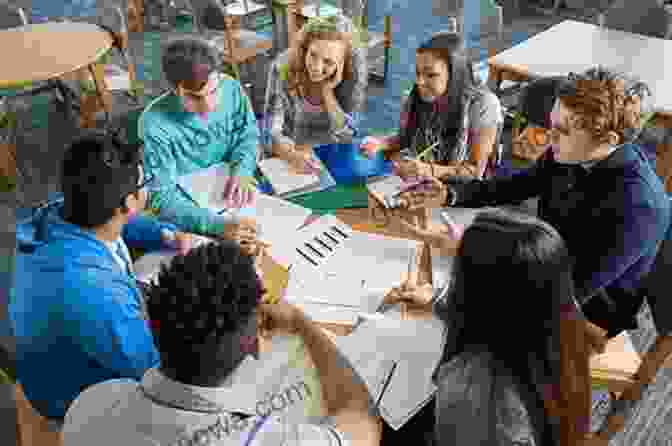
[
  {"x": 386, "y": 189},
  {"x": 416, "y": 345},
  {"x": 283, "y": 179}
]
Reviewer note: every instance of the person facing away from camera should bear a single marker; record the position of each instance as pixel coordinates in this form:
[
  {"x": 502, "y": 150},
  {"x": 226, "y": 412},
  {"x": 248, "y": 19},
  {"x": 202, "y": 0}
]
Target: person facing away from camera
[
  {"x": 515, "y": 367},
  {"x": 207, "y": 314},
  {"x": 76, "y": 306}
]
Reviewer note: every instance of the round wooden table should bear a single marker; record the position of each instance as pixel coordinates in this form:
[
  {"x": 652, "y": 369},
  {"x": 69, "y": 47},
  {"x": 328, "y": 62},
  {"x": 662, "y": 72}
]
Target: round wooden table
[{"x": 49, "y": 50}]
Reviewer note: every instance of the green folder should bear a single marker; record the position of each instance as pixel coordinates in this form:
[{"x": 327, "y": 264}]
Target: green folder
[{"x": 338, "y": 197}]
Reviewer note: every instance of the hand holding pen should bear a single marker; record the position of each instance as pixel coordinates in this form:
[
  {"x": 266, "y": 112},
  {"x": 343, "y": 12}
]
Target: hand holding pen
[{"x": 410, "y": 167}]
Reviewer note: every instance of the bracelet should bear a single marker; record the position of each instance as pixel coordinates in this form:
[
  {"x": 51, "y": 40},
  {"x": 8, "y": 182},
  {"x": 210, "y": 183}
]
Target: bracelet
[{"x": 452, "y": 196}]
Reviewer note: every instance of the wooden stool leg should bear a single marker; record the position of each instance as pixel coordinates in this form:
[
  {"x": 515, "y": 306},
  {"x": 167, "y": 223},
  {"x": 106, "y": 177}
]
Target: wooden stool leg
[
  {"x": 34, "y": 429},
  {"x": 102, "y": 99}
]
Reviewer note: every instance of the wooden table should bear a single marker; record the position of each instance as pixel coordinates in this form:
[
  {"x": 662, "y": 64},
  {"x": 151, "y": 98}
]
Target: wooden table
[
  {"x": 612, "y": 370},
  {"x": 52, "y": 50},
  {"x": 572, "y": 46}
]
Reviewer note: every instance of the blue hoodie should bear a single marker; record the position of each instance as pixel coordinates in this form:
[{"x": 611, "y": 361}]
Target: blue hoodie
[{"x": 77, "y": 316}]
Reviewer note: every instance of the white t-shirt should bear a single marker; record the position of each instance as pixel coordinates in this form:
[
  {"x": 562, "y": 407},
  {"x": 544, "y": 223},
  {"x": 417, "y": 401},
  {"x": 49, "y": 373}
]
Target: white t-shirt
[{"x": 122, "y": 412}]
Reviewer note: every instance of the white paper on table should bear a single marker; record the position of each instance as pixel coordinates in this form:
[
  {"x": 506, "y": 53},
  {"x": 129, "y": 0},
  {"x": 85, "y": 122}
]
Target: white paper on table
[
  {"x": 326, "y": 181},
  {"x": 206, "y": 186},
  {"x": 417, "y": 347},
  {"x": 277, "y": 219},
  {"x": 283, "y": 179},
  {"x": 358, "y": 266},
  {"x": 387, "y": 187}
]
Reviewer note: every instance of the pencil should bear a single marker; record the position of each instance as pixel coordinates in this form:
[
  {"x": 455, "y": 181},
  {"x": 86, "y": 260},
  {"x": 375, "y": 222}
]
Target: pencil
[
  {"x": 386, "y": 384},
  {"x": 403, "y": 306},
  {"x": 424, "y": 152}
]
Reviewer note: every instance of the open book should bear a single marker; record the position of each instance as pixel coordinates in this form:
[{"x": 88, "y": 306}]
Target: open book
[{"x": 283, "y": 179}]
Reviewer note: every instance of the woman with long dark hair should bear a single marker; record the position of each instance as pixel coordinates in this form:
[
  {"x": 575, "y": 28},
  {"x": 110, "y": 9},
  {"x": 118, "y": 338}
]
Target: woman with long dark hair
[
  {"x": 449, "y": 110},
  {"x": 515, "y": 367}
]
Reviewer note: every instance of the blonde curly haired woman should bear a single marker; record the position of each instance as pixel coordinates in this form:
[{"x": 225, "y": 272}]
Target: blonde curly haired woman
[{"x": 316, "y": 92}]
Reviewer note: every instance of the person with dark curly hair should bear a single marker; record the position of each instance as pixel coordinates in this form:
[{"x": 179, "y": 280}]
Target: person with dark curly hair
[{"x": 207, "y": 314}]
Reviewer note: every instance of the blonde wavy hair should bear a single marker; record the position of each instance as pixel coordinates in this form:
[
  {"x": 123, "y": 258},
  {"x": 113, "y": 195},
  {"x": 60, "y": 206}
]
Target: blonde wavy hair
[
  {"x": 318, "y": 28},
  {"x": 600, "y": 107}
]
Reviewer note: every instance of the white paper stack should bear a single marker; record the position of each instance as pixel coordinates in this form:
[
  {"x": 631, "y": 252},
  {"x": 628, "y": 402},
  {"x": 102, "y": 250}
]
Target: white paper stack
[
  {"x": 416, "y": 345},
  {"x": 335, "y": 266},
  {"x": 283, "y": 179},
  {"x": 278, "y": 219}
]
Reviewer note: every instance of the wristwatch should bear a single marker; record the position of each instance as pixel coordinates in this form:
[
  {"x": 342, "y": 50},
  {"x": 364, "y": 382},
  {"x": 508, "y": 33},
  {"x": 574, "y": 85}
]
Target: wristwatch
[{"x": 451, "y": 199}]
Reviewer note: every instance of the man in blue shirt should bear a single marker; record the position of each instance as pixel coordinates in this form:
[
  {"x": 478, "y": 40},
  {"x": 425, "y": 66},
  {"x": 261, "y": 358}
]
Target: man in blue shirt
[{"x": 77, "y": 311}]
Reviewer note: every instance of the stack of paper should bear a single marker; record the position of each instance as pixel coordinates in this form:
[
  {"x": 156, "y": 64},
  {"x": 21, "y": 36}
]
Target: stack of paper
[
  {"x": 278, "y": 219},
  {"x": 336, "y": 266},
  {"x": 416, "y": 345},
  {"x": 283, "y": 179}
]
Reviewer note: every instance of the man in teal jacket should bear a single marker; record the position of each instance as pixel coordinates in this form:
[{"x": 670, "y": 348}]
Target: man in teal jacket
[
  {"x": 205, "y": 120},
  {"x": 76, "y": 310}
]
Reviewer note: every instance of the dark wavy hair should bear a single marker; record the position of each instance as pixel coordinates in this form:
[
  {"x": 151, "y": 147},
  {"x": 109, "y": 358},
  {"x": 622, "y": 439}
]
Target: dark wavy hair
[
  {"x": 99, "y": 170},
  {"x": 517, "y": 269},
  {"x": 202, "y": 297},
  {"x": 449, "y": 48}
]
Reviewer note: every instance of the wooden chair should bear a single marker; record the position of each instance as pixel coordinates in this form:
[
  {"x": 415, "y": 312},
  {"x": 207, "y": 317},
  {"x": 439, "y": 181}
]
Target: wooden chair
[
  {"x": 98, "y": 82},
  {"x": 12, "y": 16},
  {"x": 237, "y": 43},
  {"x": 299, "y": 11}
]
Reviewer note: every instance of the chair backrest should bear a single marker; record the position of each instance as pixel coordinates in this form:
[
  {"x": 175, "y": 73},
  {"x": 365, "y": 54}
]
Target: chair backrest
[
  {"x": 647, "y": 17},
  {"x": 536, "y": 100},
  {"x": 657, "y": 286},
  {"x": 210, "y": 14},
  {"x": 11, "y": 15}
]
